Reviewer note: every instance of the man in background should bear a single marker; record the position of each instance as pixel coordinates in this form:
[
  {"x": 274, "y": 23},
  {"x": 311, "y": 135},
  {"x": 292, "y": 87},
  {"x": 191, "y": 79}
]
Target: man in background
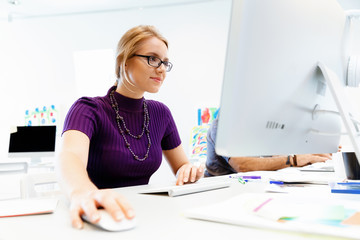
[{"x": 220, "y": 165}]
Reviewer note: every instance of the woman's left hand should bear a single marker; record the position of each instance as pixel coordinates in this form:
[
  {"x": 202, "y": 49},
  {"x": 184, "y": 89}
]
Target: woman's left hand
[{"x": 188, "y": 173}]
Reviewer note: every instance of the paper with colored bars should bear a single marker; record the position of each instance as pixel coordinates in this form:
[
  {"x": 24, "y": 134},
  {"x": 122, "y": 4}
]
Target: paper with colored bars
[{"x": 312, "y": 215}]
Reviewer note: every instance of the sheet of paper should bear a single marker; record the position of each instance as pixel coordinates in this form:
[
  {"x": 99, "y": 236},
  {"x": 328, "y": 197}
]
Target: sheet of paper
[{"x": 283, "y": 212}]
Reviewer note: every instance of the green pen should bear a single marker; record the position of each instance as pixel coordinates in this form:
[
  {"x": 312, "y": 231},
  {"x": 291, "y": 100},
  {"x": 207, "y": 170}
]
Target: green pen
[{"x": 242, "y": 181}]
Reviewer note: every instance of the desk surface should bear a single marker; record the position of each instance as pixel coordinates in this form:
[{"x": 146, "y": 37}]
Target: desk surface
[{"x": 158, "y": 217}]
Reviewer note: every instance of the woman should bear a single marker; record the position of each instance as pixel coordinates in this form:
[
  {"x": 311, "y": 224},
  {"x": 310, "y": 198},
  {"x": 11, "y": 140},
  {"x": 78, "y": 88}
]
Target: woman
[{"x": 118, "y": 140}]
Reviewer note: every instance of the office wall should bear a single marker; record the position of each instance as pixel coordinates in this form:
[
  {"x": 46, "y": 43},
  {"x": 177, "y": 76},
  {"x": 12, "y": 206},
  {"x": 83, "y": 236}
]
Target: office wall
[
  {"x": 349, "y": 4},
  {"x": 38, "y": 64},
  {"x": 37, "y": 59}
]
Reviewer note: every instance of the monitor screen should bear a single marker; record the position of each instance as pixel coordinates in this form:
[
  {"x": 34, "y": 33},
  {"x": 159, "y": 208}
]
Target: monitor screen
[
  {"x": 32, "y": 141},
  {"x": 274, "y": 96}
]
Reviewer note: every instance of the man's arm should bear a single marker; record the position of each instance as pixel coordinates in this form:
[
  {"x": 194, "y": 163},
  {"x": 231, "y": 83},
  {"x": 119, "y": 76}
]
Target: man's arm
[{"x": 246, "y": 164}]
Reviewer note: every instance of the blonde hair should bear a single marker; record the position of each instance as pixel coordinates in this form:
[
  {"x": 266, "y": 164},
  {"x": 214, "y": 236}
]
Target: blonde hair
[{"x": 130, "y": 43}]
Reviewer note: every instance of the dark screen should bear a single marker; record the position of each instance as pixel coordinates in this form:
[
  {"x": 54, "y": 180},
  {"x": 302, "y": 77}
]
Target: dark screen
[{"x": 33, "y": 139}]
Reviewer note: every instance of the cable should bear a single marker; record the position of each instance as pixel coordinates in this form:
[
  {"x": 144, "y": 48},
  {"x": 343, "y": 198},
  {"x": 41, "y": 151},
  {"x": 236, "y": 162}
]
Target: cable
[
  {"x": 354, "y": 120},
  {"x": 353, "y": 13},
  {"x": 327, "y": 111},
  {"x": 314, "y": 131}
]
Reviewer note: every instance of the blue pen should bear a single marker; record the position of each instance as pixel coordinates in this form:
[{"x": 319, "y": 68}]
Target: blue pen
[
  {"x": 276, "y": 182},
  {"x": 246, "y": 177},
  {"x": 251, "y": 177},
  {"x": 241, "y": 180}
]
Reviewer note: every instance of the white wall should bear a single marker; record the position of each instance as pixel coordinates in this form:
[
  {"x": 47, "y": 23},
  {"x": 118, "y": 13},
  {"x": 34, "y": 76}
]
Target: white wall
[
  {"x": 349, "y": 4},
  {"x": 37, "y": 68},
  {"x": 36, "y": 58}
]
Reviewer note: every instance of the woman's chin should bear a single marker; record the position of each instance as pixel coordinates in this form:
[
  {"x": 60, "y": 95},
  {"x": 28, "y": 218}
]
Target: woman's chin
[{"x": 153, "y": 90}]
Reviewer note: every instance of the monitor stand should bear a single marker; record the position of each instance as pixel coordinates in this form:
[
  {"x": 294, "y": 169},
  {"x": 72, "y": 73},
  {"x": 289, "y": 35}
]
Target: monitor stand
[
  {"x": 37, "y": 165},
  {"x": 34, "y": 161},
  {"x": 343, "y": 105}
]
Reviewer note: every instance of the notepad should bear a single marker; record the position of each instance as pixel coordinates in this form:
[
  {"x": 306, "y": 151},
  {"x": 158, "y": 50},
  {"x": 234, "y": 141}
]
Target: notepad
[
  {"x": 197, "y": 187},
  {"x": 23, "y": 207},
  {"x": 299, "y": 178},
  {"x": 352, "y": 188}
]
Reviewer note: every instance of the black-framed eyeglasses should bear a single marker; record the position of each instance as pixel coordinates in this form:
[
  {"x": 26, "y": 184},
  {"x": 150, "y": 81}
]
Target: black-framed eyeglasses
[{"x": 156, "y": 62}]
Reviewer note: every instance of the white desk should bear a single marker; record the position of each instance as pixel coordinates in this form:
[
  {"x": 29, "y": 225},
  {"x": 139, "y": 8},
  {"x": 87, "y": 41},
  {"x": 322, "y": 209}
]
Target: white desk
[{"x": 158, "y": 217}]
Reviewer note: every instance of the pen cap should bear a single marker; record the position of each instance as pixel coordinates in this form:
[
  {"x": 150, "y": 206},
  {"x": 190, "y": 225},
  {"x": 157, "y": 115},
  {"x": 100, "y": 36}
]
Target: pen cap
[{"x": 351, "y": 165}]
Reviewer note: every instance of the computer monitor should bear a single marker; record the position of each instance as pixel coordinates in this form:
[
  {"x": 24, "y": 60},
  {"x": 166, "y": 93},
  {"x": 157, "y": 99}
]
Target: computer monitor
[
  {"x": 33, "y": 142},
  {"x": 275, "y": 99}
]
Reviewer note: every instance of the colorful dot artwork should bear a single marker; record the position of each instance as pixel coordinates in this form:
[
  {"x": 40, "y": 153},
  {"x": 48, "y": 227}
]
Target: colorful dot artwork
[{"x": 47, "y": 115}]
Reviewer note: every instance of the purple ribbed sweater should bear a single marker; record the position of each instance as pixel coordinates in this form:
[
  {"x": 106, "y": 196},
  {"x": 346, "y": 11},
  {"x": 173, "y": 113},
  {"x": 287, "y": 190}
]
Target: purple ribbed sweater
[{"x": 110, "y": 163}]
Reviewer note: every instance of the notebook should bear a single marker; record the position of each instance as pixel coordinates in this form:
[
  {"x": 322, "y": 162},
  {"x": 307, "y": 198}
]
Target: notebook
[
  {"x": 293, "y": 177},
  {"x": 197, "y": 187},
  {"x": 23, "y": 207}
]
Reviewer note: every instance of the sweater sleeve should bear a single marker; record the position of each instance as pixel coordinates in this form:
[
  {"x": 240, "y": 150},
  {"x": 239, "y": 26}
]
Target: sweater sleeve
[
  {"x": 171, "y": 137},
  {"x": 82, "y": 117}
]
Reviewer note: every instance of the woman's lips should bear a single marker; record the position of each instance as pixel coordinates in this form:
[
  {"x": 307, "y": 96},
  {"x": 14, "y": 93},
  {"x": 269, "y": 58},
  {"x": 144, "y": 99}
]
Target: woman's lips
[{"x": 156, "y": 79}]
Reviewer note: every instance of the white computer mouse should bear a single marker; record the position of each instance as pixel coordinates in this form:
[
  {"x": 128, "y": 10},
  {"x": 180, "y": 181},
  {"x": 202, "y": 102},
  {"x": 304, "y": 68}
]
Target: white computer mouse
[{"x": 108, "y": 223}]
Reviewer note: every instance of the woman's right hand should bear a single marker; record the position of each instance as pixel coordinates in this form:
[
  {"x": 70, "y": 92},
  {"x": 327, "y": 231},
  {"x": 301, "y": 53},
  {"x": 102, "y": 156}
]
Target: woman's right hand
[{"x": 88, "y": 202}]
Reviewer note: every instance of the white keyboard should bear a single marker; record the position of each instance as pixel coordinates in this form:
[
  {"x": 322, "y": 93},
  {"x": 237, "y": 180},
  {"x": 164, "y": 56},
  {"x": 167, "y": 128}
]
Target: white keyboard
[{"x": 327, "y": 166}]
